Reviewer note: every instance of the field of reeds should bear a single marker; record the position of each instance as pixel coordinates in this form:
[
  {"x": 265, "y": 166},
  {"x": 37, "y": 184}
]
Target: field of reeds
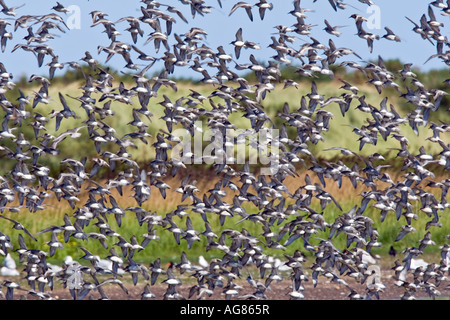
[{"x": 340, "y": 134}]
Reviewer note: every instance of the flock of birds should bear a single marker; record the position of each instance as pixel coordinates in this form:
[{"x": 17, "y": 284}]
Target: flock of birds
[{"x": 286, "y": 216}]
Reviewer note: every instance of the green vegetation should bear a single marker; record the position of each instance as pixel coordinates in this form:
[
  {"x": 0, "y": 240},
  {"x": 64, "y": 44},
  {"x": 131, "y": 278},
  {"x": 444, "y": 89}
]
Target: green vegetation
[
  {"x": 339, "y": 134},
  {"x": 388, "y": 231}
]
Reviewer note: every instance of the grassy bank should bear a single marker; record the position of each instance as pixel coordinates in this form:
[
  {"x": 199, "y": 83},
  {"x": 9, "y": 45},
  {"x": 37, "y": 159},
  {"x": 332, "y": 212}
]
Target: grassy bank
[{"x": 167, "y": 249}]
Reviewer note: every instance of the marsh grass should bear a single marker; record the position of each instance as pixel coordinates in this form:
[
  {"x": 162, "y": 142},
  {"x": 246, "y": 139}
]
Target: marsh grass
[
  {"x": 168, "y": 250},
  {"x": 340, "y": 134}
]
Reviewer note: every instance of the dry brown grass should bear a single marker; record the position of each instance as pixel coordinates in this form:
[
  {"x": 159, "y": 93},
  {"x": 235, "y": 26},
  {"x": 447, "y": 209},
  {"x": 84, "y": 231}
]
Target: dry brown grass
[{"x": 206, "y": 179}]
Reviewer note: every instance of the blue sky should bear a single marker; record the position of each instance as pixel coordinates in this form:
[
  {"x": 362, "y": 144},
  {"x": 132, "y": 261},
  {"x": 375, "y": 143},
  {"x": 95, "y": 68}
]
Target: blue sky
[{"x": 221, "y": 29}]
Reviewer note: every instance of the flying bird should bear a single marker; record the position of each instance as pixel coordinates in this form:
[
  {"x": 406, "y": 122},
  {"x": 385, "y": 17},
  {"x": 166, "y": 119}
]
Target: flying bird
[{"x": 18, "y": 226}]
